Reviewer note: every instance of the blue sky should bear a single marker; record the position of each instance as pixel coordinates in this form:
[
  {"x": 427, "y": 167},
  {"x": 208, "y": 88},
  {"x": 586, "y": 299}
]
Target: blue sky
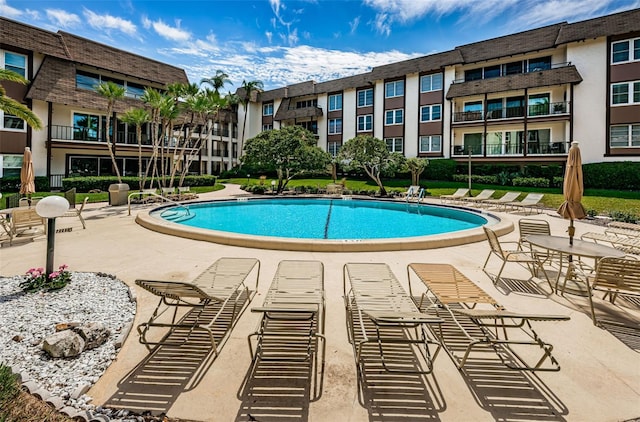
[{"x": 282, "y": 42}]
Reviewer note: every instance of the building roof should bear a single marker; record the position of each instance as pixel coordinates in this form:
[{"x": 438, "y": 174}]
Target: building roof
[
  {"x": 611, "y": 25},
  {"x": 431, "y": 63},
  {"x": 558, "y": 76},
  {"x": 31, "y": 38},
  {"x": 286, "y": 113}
]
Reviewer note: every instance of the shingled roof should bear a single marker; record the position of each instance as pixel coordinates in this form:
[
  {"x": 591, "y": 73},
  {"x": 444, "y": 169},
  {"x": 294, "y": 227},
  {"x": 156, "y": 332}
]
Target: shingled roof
[
  {"x": 286, "y": 113},
  {"x": 31, "y": 38},
  {"x": 612, "y": 25},
  {"x": 561, "y": 75}
]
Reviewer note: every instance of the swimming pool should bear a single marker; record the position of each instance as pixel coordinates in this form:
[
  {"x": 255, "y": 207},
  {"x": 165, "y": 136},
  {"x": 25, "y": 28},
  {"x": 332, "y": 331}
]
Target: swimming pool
[{"x": 321, "y": 224}]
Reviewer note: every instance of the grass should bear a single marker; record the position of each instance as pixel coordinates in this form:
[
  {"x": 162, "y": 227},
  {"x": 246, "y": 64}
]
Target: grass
[{"x": 601, "y": 201}]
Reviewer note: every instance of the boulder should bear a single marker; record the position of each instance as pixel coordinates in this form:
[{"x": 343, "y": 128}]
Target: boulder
[
  {"x": 63, "y": 344},
  {"x": 93, "y": 334}
]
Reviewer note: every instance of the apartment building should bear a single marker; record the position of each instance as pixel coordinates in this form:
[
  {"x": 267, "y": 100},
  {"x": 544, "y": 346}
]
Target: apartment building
[
  {"x": 63, "y": 70},
  {"x": 522, "y": 98}
]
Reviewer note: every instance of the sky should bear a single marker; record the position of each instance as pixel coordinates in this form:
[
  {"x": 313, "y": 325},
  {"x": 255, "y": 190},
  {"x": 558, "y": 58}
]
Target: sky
[{"x": 282, "y": 42}]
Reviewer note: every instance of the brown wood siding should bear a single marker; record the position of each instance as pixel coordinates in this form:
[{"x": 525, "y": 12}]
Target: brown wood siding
[
  {"x": 334, "y": 138},
  {"x": 15, "y": 90},
  {"x": 364, "y": 110},
  {"x": 432, "y": 97},
  {"x": 394, "y": 131},
  {"x": 12, "y": 142},
  {"x": 430, "y": 128},
  {"x": 625, "y": 72},
  {"x": 625, "y": 114},
  {"x": 625, "y": 152},
  {"x": 334, "y": 114},
  {"x": 393, "y": 103}
]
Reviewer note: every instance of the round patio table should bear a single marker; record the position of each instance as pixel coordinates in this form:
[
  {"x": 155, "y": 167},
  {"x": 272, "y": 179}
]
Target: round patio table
[{"x": 580, "y": 248}]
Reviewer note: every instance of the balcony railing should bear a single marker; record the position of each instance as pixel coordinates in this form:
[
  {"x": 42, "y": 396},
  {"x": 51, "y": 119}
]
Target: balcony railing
[
  {"x": 70, "y": 133},
  {"x": 533, "y": 110},
  {"x": 511, "y": 148}
]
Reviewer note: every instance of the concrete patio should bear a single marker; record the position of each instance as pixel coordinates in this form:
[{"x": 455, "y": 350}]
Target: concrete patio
[{"x": 599, "y": 379}]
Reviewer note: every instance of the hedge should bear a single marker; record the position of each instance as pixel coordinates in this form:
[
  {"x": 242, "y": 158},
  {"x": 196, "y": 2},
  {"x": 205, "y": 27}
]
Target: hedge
[
  {"x": 85, "y": 184},
  {"x": 440, "y": 169},
  {"x": 12, "y": 184},
  {"x": 534, "y": 182},
  {"x": 622, "y": 175},
  {"x": 485, "y": 180}
]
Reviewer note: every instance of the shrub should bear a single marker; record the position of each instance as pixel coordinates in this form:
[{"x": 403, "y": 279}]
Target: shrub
[
  {"x": 624, "y": 175},
  {"x": 440, "y": 169},
  {"x": 12, "y": 184},
  {"x": 534, "y": 182},
  {"x": 623, "y": 216},
  {"x": 85, "y": 184},
  {"x": 486, "y": 180},
  {"x": 557, "y": 181}
]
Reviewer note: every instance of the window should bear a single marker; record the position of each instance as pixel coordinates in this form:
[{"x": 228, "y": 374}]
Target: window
[
  {"x": 494, "y": 108},
  {"x": 134, "y": 90},
  {"x": 430, "y": 143},
  {"x": 624, "y": 136},
  {"x": 267, "y": 127},
  {"x": 512, "y": 68},
  {"x": 538, "y": 105},
  {"x": 394, "y": 117},
  {"x": 16, "y": 63},
  {"x": 431, "y": 82},
  {"x": 625, "y": 51},
  {"x": 335, "y": 126},
  {"x": 307, "y": 103},
  {"x": 473, "y": 74},
  {"x": 10, "y": 165},
  {"x": 430, "y": 113},
  {"x": 87, "y": 80},
  {"x": 333, "y": 148},
  {"x": 335, "y": 102},
  {"x": 365, "y": 97},
  {"x": 492, "y": 71},
  {"x": 625, "y": 93},
  {"x": 12, "y": 123},
  {"x": 86, "y": 127},
  {"x": 394, "y": 144},
  {"x": 394, "y": 89},
  {"x": 310, "y": 125},
  {"x": 541, "y": 63},
  {"x": 472, "y": 143},
  {"x": 472, "y": 111},
  {"x": 365, "y": 123},
  {"x": 267, "y": 109}
]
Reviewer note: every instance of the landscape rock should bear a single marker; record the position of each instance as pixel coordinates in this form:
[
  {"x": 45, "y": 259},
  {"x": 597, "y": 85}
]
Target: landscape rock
[
  {"x": 93, "y": 333},
  {"x": 63, "y": 344}
]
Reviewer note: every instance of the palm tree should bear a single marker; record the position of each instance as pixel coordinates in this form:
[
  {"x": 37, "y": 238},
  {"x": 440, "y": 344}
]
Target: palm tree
[
  {"x": 112, "y": 92},
  {"x": 137, "y": 117},
  {"x": 218, "y": 81},
  {"x": 11, "y": 106},
  {"x": 249, "y": 88}
]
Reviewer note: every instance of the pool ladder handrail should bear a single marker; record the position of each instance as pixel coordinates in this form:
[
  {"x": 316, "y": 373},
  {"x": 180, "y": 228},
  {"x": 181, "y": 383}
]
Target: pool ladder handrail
[
  {"x": 154, "y": 194},
  {"x": 421, "y": 193}
]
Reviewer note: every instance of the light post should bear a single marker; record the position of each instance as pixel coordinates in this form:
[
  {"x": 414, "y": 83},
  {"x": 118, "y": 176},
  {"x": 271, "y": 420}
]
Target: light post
[
  {"x": 273, "y": 186},
  {"x": 469, "y": 151},
  {"x": 51, "y": 207},
  {"x": 248, "y": 176}
]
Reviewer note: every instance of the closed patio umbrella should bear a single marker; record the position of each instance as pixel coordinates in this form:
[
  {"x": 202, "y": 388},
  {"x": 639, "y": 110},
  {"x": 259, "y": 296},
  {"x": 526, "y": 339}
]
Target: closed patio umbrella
[
  {"x": 27, "y": 176},
  {"x": 572, "y": 189}
]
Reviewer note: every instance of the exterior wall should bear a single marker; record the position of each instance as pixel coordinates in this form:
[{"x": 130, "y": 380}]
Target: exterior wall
[
  {"x": 349, "y": 121},
  {"x": 590, "y": 98},
  {"x": 411, "y": 117}
]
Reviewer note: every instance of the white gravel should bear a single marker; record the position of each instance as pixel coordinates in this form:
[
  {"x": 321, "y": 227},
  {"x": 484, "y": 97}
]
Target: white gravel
[{"x": 28, "y": 318}]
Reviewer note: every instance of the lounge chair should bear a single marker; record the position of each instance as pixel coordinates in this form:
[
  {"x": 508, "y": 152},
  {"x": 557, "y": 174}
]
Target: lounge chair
[
  {"x": 531, "y": 202},
  {"x": 614, "y": 276},
  {"x": 618, "y": 231},
  {"x": 451, "y": 295},
  {"x": 624, "y": 225},
  {"x": 499, "y": 202},
  {"x": 185, "y": 194},
  {"x": 484, "y": 195},
  {"x": 169, "y": 193},
  {"x": 292, "y": 325},
  {"x": 457, "y": 195},
  {"x": 412, "y": 192},
  {"x": 625, "y": 244},
  {"x": 25, "y": 223},
  {"x": 381, "y": 317},
  {"x": 217, "y": 297},
  {"x": 532, "y": 262},
  {"x": 77, "y": 212}
]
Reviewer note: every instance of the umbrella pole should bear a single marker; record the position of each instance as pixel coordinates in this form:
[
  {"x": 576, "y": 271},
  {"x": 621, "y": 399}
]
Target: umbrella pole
[{"x": 572, "y": 232}]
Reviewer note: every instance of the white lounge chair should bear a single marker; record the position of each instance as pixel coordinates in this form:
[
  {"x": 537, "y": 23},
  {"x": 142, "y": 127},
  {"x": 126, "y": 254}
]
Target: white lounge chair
[{"x": 456, "y": 196}]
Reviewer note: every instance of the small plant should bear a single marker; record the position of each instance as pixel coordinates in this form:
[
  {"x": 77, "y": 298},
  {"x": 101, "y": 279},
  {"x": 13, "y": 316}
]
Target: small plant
[
  {"x": 8, "y": 385},
  {"x": 37, "y": 279},
  {"x": 623, "y": 216},
  {"x": 591, "y": 213}
]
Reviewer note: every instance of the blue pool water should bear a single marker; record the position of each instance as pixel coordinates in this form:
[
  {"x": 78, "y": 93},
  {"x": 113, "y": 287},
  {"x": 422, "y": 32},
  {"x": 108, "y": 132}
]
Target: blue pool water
[{"x": 327, "y": 218}]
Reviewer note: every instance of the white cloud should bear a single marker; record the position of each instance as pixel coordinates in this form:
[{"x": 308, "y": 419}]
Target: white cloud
[
  {"x": 171, "y": 33},
  {"x": 33, "y": 14},
  {"x": 146, "y": 22},
  {"x": 353, "y": 25},
  {"x": 63, "y": 18},
  {"x": 554, "y": 11},
  {"x": 8, "y": 11},
  {"x": 108, "y": 22}
]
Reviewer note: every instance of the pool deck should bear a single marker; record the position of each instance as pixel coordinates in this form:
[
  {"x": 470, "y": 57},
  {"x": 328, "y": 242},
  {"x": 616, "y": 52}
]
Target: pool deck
[{"x": 599, "y": 379}]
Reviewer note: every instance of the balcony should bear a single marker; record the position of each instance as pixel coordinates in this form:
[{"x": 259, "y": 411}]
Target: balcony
[
  {"x": 516, "y": 149},
  {"x": 532, "y": 111}
]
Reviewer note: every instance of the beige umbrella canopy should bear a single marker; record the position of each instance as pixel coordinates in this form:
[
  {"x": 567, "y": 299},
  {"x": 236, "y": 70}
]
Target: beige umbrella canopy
[
  {"x": 27, "y": 176},
  {"x": 572, "y": 189}
]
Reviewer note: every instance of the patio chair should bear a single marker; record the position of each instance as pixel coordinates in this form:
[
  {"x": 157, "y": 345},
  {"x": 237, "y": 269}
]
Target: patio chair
[
  {"x": 25, "y": 223},
  {"x": 514, "y": 255},
  {"x": 451, "y": 295},
  {"x": 621, "y": 232},
  {"x": 457, "y": 195},
  {"x": 499, "y": 202},
  {"x": 532, "y": 226},
  {"x": 26, "y": 202},
  {"x": 185, "y": 194},
  {"x": 531, "y": 202},
  {"x": 625, "y": 244},
  {"x": 614, "y": 276},
  {"x": 169, "y": 193},
  {"x": 292, "y": 325},
  {"x": 217, "y": 297},
  {"x": 484, "y": 195},
  {"x": 77, "y": 212},
  {"x": 381, "y": 317}
]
